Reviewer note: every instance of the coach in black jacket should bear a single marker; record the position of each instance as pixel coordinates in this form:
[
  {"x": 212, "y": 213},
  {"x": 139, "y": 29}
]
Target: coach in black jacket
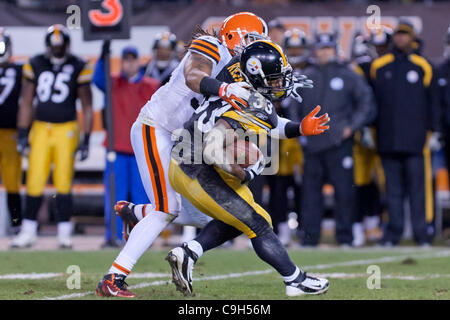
[
  {"x": 347, "y": 98},
  {"x": 408, "y": 108},
  {"x": 443, "y": 81}
]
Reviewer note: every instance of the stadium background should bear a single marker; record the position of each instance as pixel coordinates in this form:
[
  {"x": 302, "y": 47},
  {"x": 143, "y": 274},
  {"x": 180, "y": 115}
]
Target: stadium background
[{"x": 27, "y": 21}]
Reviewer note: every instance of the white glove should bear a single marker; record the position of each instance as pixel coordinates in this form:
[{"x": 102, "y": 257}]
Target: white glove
[
  {"x": 236, "y": 94},
  {"x": 300, "y": 81},
  {"x": 367, "y": 138},
  {"x": 435, "y": 142},
  {"x": 255, "y": 169}
]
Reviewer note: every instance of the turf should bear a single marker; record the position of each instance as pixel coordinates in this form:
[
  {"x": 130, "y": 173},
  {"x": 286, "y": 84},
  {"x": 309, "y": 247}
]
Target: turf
[{"x": 429, "y": 273}]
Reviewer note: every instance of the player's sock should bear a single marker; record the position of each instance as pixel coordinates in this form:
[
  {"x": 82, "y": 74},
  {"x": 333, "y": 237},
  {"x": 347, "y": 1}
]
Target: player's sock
[
  {"x": 139, "y": 211},
  {"x": 32, "y": 206},
  {"x": 140, "y": 239},
  {"x": 269, "y": 249},
  {"x": 216, "y": 233},
  {"x": 195, "y": 247},
  {"x": 15, "y": 208},
  {"x": 64, "y": 207}
]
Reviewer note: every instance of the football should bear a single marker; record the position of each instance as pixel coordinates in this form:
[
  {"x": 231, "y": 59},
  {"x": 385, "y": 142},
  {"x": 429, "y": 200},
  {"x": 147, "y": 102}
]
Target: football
[{"x": 245, "y": 153}]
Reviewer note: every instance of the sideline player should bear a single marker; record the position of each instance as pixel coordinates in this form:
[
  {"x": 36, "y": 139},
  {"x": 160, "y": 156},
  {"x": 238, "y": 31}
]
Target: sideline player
[
  {"x": 219, "y": 188},
  {"x": 57, "y": 78},
  {"x": 10, "y": 160}
]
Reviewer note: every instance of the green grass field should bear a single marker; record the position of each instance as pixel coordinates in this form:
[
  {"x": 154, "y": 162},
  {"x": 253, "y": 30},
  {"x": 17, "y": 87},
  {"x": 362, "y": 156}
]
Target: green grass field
[{"x": 407, "y": 273}]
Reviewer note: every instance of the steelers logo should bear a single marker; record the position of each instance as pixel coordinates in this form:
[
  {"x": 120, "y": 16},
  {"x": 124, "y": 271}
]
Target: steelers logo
[
  {"x": 412, "y": 76},
  {"x": 347, "y": 162},
  {"x": 253, "y": 65},
  {"x": 336, "y": 84}
]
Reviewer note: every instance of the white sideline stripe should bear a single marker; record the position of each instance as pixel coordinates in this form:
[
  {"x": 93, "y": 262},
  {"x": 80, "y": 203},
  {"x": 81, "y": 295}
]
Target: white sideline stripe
[
  {"x": 439, "y": 254},
  {"x": 26, "y": 276},
  {"x": 341, "y": 275}
]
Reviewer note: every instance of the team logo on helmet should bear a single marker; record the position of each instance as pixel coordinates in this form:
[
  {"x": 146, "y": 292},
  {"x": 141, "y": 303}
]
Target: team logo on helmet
[{"x": 254, "y": 65}]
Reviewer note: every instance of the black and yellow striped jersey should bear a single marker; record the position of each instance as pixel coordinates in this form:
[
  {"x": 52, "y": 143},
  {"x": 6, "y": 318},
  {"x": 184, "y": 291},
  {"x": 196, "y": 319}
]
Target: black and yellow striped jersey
[
  {"x": 258, "y": 119},
  {"x": 10, "y": 85},
  {"x": 57, "y": 86}
]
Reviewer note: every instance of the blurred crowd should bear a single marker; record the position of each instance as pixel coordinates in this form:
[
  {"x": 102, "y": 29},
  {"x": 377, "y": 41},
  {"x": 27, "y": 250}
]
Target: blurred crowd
[{"x": 387, "y": 103}]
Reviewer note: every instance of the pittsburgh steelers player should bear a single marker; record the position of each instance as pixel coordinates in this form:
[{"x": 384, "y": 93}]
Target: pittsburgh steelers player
[
  {"x": 10, "y": 159},
  {"x": 218, "y": 187},
  {"x": 56, "y": 78}
]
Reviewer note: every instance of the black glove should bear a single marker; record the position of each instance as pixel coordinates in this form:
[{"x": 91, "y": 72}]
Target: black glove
[
  {"x": 83, "y": 148},
  {"x": 22, "y": 142},
  {"x": 105, "y": 49}
]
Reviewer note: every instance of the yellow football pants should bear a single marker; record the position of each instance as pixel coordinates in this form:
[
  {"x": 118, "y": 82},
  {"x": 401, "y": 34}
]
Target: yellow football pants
[
  {"x": 10, "y": 161},
  {"x": 52, "y": 143},
  {"x": 221, "y": 196}
]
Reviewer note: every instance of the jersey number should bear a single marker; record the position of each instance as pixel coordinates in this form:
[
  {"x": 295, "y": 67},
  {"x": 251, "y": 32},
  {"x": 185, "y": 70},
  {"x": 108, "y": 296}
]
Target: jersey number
[
  {"x": 47, "y": 81},
  {"x": 8, "y": 82}
]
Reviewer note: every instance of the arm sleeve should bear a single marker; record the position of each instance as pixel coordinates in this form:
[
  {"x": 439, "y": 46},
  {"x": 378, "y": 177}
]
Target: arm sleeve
[
  {"x": 364, "y": 104},
  {"x": 85, "y": 76},
  {"x": 99, "y": 75},
  {"x": 28, "y": 72},
  {"x": 433, "y": 96},
  {"x": 286, "y": 129}
]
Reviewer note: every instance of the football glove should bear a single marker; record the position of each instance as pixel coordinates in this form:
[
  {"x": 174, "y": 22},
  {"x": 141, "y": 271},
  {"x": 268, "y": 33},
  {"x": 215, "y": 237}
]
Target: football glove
[
  {"x": 435, "y": 143},
  {"x": 236, "y": 94},
  {"x": 367, "y": 138},
  {"x": 83, "y": 148},
  {"x": 311, "y": 125},
  {"x": 300, "y": 81},
  {"x": 255, "y": 169},
  {"x": 22, "y": 142}
]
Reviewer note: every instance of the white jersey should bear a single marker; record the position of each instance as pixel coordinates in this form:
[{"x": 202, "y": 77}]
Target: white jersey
[{"x": 170, "y": 106}]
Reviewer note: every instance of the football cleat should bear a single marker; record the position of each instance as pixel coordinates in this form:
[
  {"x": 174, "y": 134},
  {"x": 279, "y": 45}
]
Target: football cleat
[
  {"x": 125, "y": 210},
  {"x": 23, "y": 240},
  {"x": 181, "y": 261},
  {"x": 113, "y": 285},
  {"x": 309, "y": 285}
]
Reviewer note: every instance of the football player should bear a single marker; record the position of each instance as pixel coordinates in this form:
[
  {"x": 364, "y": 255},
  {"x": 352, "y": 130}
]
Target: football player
[
  {"x": 219, "y": 188},
  {"x": 169, "y": 108},
  {"x": 164, "y": 59},
  {"x": 10, "y": 159},
  {"x": 56, "y": 78}
]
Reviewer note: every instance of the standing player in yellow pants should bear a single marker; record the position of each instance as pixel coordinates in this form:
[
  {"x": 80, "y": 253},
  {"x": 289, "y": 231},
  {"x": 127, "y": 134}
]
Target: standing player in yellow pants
[
  {"x": 57, "y": 78},
  {"x": 10, "y": 160}
]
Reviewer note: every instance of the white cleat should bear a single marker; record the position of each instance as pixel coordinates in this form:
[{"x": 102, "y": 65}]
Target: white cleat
[
  {"x": 64, "y": 235},
  {"x": 309, "y": 285},
  {"x": 24, "y": 239},
  {"x": 182, "y": 260}
]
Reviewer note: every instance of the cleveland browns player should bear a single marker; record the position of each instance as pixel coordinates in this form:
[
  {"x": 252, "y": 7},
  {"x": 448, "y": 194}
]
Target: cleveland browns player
[
  {"x": 10, "y": 159},
  {"x": 56, "y": 78}
]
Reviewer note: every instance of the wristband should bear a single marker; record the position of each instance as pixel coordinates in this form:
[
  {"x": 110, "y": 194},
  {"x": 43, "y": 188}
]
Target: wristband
[
  {"x": 248, "y": 176},
  {"x": 86, "y": 138},
  {"x": 210, "y": 86},
  {"x": 292, "y": 129},
  {"x": 22, "y": 133}
]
